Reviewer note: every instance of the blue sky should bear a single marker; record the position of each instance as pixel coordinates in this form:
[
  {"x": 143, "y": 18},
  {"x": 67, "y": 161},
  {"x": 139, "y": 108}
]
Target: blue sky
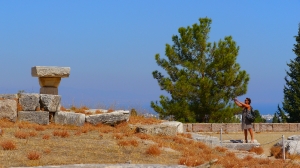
[{"x": 110, "y": 45}]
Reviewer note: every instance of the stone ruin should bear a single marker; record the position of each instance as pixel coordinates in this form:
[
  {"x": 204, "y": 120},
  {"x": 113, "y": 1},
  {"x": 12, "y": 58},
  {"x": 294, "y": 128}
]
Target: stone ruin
[{"x": 45, "y": 107}]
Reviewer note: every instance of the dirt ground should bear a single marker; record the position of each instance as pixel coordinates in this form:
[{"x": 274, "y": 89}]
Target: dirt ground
[{"x": 266, "y": 139}]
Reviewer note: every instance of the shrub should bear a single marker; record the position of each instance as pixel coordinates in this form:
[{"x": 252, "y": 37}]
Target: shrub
[
  {"x": 133, "y": 112},
  {"x": 153, "y": 150},
  {"x": 276, "y": 151},
  {"x": 33, "y": 155},
  {"x": 21, "y": 135},
  {"x": 8, "y": 145}
]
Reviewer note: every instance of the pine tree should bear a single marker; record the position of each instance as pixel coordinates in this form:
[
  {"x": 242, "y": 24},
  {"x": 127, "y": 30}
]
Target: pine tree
[
  {"x": 291, "y": 102},
  {"x": 275, "y": 119},
  {"x": 258, "y": 117},
  {"x": 202, "y": 77},
  {"x": 281, "y": 115}
]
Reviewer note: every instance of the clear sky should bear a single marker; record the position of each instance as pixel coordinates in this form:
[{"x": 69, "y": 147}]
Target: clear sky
[{"x": 110, "y": 45}]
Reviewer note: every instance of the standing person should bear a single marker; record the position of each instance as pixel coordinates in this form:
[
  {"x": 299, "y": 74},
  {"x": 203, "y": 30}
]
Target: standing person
[{"x": 246, "y": 124}]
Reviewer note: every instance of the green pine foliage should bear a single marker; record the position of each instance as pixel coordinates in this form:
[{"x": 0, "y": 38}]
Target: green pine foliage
[
  {"x": 258, "y": 118},
  {"x": 275, "y": 119},
  {"x": 201, "y": 77},
  {"x": 281, "y": 115},
  {"x": 291, "y": 102}
]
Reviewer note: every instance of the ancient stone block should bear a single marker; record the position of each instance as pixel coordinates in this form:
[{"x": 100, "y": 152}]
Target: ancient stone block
[
  {"x": 50, "y": 102},
  {"x": 8, "y": 109},
  {"x": 49, "y": 90},
  {"x": 69, "y": 118},
  {"x": 293, "y": 127},
  {"x": 201, "y": 127},
  {"x": 8, "y": 96},
  {"x": 177, "y": 124},
  {"x": 38, "y": 117},
  {"x": 209, "y": 140},
  {"x": 158, "y": 129},
  {"x": 108, "y": 118},
  {"x": 29, "y": 102},
  {"x": 266, "y": 127},
  {"x": 49, "y": 82},
  {"x": 50, "y": 71}
]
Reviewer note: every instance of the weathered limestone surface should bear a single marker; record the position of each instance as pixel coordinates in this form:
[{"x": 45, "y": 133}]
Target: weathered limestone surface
[
  {"x": 50, "y": 102},
  {"x": 158, "y": 129},
  {"x": 8, "y": 96},
  {"x": 292, "y": 144},
  {"x": 69, "y": 118},
  {"x": 50, "y": 71},
  {"x": 29, "y": 102},
  {"x": 108, "y": 118},
  {"x": 236, "y": 144},
  {"x": 209, "y": 140},
  {"x": 39, "y": 117},
  {"x": 188, "y": 127},
  {"x": 8, "y": 109},
  {"x": 177, "y": 124}
]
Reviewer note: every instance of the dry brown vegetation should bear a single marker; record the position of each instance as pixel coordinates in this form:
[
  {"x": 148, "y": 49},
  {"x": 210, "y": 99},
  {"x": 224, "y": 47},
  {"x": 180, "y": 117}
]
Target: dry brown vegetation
[{"x": 35, "y": 145}]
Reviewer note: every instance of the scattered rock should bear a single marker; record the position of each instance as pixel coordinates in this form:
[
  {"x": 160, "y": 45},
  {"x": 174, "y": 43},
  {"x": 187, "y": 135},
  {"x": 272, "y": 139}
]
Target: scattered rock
[
  {"x": 108, "y": 118},
  {"x": 69, "y": 118},
  {"x": 8, "y": 109}
]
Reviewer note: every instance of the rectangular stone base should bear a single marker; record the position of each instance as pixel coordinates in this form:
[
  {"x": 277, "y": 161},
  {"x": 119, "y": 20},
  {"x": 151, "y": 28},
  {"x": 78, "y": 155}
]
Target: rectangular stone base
[
  {"x": 38, "y": 117},
  {"x": 49, "y": 90}
]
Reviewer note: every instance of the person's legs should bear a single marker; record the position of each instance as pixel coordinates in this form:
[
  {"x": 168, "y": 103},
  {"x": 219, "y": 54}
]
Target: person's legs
[
  {"x": 251, "y": 134},
  {"x": 246, "y": 133}
]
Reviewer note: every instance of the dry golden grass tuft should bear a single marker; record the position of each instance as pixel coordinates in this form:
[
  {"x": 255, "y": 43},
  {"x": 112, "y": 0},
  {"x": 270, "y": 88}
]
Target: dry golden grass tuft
[
  {"x": 8, "y": 145},
  {"x": 132, "y": 142},
  {"x": 62, "y": 108},
  {"x": 21, "y": 135},
  {"x": 1, "y": 132},
  {"x": 46, "y": 136},
  {"x": 98, "y": 112},
  {"x": 47, "y": 151},
  {"x": 19, "y": 107},
  {"x": 185, "y": 135},
  {"x": 118, "y": 136},
  {"x": 143, "y": 120},
  {"x": 276, "y": 151},
  {"x": 142, "y": 136},
  {"x": 33, "y": 155},
  {"x": 39, "y": 128},
  {"x": 220, "y": 149},
  {"x": 258, "y": 150},
  {"x": 153, "y": 150},
  {"x": 62, "y": 133},
  {"x": 191, "y": 161},
  {"x": 32, "y": 133}
]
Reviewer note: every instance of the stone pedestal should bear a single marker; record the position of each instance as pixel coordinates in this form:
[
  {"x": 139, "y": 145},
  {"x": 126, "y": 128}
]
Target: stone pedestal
[{"x": 50, "y": 77}]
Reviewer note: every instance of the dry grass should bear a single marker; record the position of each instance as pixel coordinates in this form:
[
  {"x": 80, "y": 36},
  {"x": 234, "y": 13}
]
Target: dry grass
[
  {"x": 21, "y": 135},
  {"x": 118, "y": 144},
  {"x": 8, "y": 145},
  {"x": 33, "y": 155},
  {"x": 258, "y": 150}
]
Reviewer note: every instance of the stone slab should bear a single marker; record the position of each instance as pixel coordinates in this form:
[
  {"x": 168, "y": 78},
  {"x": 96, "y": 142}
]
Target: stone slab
[
  {"x": 69, "y": 118},
  {"x": 201, "y": 127},
  {"x": 158, "y": 129},
  {"x": 240, "y": 146},
  {"x": 108, "y": 118},
  {"x": 38, "y": 117},
  {"x": 9, "y": 96},
  {"x": 50, "y": 71},
  {"x": 8, "y": 109},
  {"x": 177, "y": 124},
  {"x": 209, "y": 140}
]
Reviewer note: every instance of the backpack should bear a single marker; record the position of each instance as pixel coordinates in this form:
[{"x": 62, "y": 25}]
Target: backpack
[{"x": 251, "y": 116}]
